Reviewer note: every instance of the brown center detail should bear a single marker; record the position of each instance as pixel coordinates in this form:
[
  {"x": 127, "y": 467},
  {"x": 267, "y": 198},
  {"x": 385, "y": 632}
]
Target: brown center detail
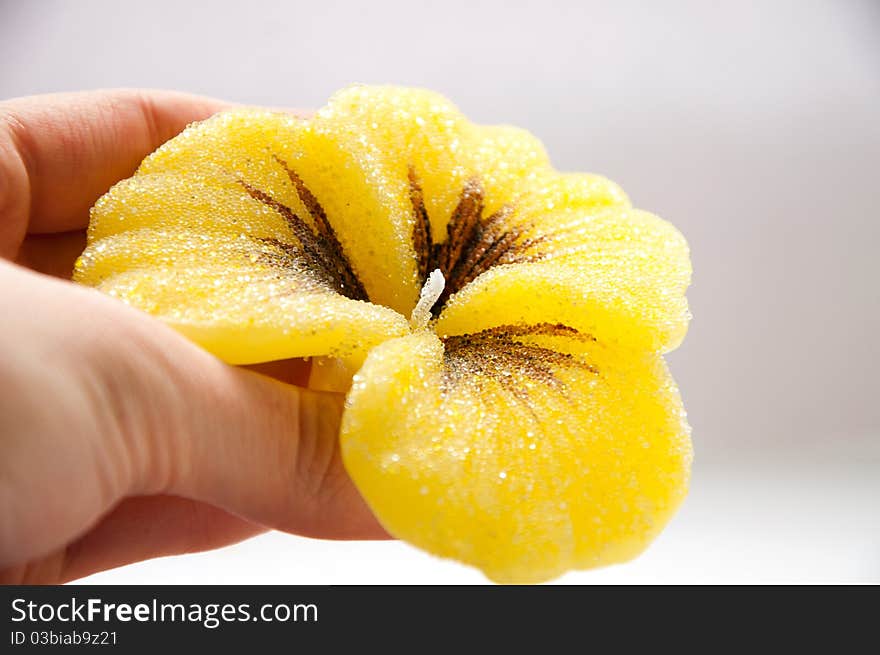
[
  {"x": 474, "y": 243},
  {"x": 318, "y": 242},
  {"x": 498, "y": 353}
]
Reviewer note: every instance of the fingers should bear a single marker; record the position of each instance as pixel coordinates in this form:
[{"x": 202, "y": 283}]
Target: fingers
[
  {"x": 147, "y": 527},
  {"x": 291, "y": 371},
  {"x": 60, "y": 152},
  {"x": 136, "y": 529},
  {"x": 135, "y": 409},
  {"x": 52, "y": 254},
  {"x": 247, "y": 443},
  {"x": 258, "y": 448}
]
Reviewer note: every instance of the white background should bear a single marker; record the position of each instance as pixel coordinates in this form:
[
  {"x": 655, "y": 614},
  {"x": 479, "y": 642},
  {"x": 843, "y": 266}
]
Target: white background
[{"x": 753, "y": 126}]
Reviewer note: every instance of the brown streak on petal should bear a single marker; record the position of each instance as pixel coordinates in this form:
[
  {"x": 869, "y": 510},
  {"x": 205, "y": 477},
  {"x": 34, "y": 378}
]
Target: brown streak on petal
[
  {"x": 497, "y": 353},
  {"x": 485, "y": 238},
  {"x": 298, "y": 226},
  {"x": 521, "y": 255},
  {"x": 421, "y": 236},
  {"x": 491, "y": 256},
  {"x": 473, "y": 365},
  {"x": 536, "y": 329},
  {"x": 489, "y": 235},
  {"x": 333, "y": 251},
  {"x": 313, "y": 248},
  {"x": 473, "y": 244},
  {"x": 462, "y": 225}
]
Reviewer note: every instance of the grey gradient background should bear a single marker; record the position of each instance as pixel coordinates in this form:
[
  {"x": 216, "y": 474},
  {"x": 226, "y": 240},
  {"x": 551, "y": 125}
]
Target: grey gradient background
[{"x": 753, "y": 126}]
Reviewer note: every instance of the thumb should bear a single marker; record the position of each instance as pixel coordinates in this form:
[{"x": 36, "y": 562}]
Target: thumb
[
  {"x": 247, "y": 443},
  {"x": 102, "y": 402}
]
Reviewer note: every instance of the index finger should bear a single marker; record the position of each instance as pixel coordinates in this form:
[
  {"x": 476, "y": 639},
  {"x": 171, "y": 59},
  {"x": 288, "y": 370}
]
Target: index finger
[{"x": 60, "y": 152}]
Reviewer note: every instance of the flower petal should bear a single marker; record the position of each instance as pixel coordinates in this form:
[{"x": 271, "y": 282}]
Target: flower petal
[
  {"x": 177, "y": 200},
  {"x": 243, "y": 299},
  {"x": 522, "y": 453},
  {"x": 420, "y": 137},
  {"x": 618, "y": 274},
  {"x": 319, "y": 175},
  {"x": 507, "y": 160},
  {"x": 402, "y": 128}
]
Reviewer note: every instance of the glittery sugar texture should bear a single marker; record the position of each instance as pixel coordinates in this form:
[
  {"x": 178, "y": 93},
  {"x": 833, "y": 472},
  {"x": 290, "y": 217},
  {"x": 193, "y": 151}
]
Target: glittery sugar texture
[{"x": 525, "y": 423}]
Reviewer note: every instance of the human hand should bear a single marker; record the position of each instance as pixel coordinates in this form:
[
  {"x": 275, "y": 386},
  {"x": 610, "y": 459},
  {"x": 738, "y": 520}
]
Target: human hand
[{"x": 119, "y": 439}]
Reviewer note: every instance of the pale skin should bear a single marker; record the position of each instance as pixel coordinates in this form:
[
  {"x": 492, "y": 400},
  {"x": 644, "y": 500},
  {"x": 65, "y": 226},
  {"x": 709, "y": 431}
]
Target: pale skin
[{"x": 119, "y": 439}]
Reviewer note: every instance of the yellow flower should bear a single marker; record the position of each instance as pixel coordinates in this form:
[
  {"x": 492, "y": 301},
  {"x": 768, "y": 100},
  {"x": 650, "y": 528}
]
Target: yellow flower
[{"x": 520, "y": 416}]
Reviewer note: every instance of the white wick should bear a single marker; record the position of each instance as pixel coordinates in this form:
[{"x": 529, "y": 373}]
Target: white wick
[{"x": 429, "y": 294}]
